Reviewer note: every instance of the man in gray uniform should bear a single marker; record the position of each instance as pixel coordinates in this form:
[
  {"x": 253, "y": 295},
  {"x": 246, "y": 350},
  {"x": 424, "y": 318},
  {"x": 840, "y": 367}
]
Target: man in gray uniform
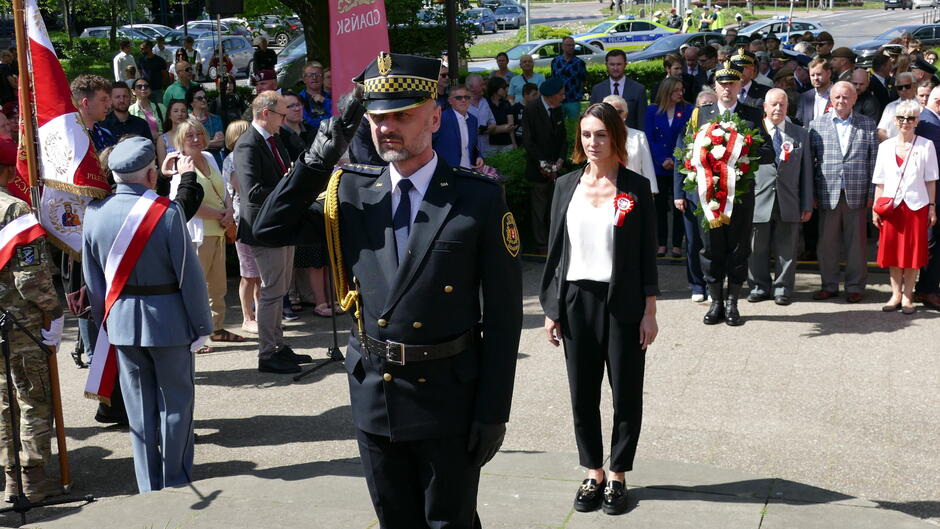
[{"x": 160, "y": 317}]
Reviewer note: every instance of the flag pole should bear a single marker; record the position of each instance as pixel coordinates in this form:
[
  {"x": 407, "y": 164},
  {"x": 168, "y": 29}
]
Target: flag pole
[{"x": 28, "y": 140}]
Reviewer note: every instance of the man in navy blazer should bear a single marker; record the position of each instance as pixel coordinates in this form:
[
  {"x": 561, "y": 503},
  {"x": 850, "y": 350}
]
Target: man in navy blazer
[
  {"x": 927, "y": 289},
  {"x": 456, "y": 139},
  {"x": 161, "y": 316},
  {"x": 618, "y": 83}
]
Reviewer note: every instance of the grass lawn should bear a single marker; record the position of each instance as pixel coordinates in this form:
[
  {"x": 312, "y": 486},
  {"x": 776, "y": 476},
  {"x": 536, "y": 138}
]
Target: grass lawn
[{"x": 490, "y": 49}]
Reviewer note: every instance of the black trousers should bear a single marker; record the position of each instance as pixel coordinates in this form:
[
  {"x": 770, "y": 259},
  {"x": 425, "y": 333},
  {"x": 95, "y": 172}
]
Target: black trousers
[
  {"x": 725, "y": 250},
  {"x": 593, "y": 339},
  {"x": 423, "y": 484},
  {"x": 665, "y": 207}
]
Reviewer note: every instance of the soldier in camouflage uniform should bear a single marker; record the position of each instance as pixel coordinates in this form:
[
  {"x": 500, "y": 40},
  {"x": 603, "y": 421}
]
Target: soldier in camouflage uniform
[{"x": 27, "y": 292}]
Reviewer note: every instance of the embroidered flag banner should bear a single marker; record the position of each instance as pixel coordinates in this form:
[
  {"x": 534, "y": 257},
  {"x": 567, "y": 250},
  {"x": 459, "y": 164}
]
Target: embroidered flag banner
[{"x": 358, "y": 32}]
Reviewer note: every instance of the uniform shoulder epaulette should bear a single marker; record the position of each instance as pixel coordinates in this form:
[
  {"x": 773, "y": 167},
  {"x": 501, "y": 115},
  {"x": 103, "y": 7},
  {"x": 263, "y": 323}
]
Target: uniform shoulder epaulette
[
  {"x": 363, "y": 169},
  {"x": 470, "y": 173}
]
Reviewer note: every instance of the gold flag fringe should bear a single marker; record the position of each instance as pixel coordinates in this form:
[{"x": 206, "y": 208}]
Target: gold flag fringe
[
  {"x": 99, "y": 398},
  {"x": 58, "y": 243},
  {"x": 85, "y": 191}
]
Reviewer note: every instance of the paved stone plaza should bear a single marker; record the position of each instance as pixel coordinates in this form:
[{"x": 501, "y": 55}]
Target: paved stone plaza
[{"x": 819, "y": 414}]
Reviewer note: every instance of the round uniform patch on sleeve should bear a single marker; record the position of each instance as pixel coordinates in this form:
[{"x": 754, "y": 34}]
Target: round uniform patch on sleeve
[{"x": 511, "y": 234}]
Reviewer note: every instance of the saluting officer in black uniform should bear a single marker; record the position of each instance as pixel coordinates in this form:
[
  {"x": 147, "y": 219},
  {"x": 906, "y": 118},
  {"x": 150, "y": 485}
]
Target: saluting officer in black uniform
[
  {"x": 420, "y": 245},
  {"x": 725, "y": 249}
]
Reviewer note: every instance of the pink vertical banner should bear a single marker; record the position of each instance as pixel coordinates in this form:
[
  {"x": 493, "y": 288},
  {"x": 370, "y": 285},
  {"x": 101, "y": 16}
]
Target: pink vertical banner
[{"x": 359, "y": 31}]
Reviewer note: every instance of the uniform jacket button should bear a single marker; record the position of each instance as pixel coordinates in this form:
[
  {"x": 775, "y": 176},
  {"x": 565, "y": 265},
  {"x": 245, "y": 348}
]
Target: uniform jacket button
[
  {"x": 382, "y": 322},
  {"x": 387, "y": 377},
  {"x": 448, "y": 289},
  {"x": 417, "y": 324}
]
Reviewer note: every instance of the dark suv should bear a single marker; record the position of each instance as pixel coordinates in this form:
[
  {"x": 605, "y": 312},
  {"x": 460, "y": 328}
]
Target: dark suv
[{"x": 903, "y": 4}]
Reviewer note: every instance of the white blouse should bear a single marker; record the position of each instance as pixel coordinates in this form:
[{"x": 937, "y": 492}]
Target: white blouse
[
  {"x": 639, "y": 159},
  {"x": 591, "y": 232},
  {"x": 921, "y": 168}
]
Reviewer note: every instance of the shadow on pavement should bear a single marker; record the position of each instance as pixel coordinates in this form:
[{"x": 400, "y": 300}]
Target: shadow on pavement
[
  {"x": 859, "y": 322},
  {"x": 276, "y": 430},
  {"x": 920, "y": 509}
]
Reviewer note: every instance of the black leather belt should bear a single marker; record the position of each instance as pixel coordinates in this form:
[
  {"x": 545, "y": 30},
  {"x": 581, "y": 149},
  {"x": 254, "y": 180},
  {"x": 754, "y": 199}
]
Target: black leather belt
[
  {"x": 401, "y": 354},
  {"x": 150, "y": 290}
]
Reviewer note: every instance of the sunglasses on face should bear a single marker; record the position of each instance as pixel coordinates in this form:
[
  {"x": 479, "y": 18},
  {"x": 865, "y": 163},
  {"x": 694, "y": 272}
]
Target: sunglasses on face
[
  {"x": 313, "y": 75},
  {"x": 142, "y": 86},
  {"x": 903, "y": 86},
  {"x": 445, "y": 75},
  {"x": 906, "y": 119}
]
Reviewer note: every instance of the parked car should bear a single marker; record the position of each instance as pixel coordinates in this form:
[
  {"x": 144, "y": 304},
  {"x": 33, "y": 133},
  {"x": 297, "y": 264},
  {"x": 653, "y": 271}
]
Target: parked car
[
  {"x": 781, "y": 28},
  {"x": 510, "y": 16},
  {"x": 290, "y": 62},
  {"x": 672, "y": 44},
  {"x": 104, "y": 32},
  {"x": 624, "y": 33},
  {"x": 237, "y": 47},
  {"x": 174, "y": 38},
  {"x": 198, "y": 27},
  {"x": 152, "y": 31},
  {"x": 543, "y": 51},
  {"x": 495, "y": 4},
  {"x": 924, "y": 3},
  {"x": 927, "y": 34},
  {"x": 482, "y": 19},
  {"x": 894, "y": 4},
  {"x": 277, "y": 29}
]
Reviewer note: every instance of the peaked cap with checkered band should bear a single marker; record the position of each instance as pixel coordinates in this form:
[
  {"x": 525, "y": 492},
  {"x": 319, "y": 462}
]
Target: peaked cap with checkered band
[{"x": 395, "y": 82}]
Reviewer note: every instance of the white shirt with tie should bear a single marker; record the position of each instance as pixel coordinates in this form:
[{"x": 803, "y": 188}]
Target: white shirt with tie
[
  {"x": 618, "y": 84},
  {"x": 421, "y": 180},
  {"x": 464, "y": 139}
]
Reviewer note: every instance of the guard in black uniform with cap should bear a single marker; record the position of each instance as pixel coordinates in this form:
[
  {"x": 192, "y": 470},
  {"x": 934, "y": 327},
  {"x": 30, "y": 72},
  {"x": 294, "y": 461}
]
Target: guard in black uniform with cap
[{"x": 420, "y": 246}]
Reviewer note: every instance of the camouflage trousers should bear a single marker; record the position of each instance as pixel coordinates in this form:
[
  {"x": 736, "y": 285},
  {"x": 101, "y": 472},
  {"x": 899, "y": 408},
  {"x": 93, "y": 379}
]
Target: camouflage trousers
[{"x": 33, "y": 401}]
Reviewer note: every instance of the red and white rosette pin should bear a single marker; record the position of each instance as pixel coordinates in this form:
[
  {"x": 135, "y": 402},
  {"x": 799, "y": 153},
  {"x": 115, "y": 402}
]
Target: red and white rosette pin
[
  {"x": 785, "y": 150},
  {"x": 623, "y": 204}
]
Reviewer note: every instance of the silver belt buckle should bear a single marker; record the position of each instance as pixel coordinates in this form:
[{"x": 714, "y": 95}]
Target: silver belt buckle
[{"x": 395, "y": 352}]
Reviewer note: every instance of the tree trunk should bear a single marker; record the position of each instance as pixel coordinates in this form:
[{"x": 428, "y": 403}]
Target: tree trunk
[
  {"x": 315, "y": 15},
  {"x": 67, "y": 18},
  {"x": 112, "y": 35}
]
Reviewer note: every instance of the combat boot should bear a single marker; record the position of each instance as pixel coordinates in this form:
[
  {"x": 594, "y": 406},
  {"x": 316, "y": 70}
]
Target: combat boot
[
  {"x": 732, "y": 316},
  {"x": 716, "y": 311},
  {"x": 36, "y": 486},
  {"x": 11, "y": 491}
]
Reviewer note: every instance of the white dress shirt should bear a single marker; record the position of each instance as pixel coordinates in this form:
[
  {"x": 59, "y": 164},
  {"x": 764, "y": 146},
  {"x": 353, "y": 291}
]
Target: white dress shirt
[
  {"x": 722, "y": 109},
  {"x": 464, "y": 139},
  {"x": 619, "y": 83},
  {"x": 121, "y": 62},
  {"x": 820, "y": 102},
  {"x": 421, "y": 180},
  {"x": 887, "y": 122},
  {"x": 484, "y": 114},
  {"x": 843, "y": 130},
  {"x": 921, "y": 168}
]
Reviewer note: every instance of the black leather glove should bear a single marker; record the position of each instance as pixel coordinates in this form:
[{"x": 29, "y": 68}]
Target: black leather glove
[
  {"x": 484, "y": 441},
  {"x": 336, "y": 133}
]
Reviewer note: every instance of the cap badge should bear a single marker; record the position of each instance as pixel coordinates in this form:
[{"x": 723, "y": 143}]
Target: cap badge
[{"x": 384, "y": 62}]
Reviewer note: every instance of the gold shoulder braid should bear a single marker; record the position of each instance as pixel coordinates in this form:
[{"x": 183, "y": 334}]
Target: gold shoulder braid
[{"x": 347, "y": 298}]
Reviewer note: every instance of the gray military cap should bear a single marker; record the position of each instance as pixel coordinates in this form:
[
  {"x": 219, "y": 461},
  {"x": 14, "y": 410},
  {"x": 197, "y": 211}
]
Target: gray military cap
[{"x": 131, "y": 155}]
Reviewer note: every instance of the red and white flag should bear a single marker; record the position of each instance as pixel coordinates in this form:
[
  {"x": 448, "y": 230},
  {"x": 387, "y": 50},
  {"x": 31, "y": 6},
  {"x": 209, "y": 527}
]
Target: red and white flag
[
  {"x": 18, "y": 232},
  {"x": 68, "y": 162}
]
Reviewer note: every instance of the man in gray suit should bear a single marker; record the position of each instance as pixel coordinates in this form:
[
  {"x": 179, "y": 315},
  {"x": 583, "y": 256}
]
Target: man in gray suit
[
  {"x": 160, "y": 317},
  {"x": 844, "y": 145},
  {"x": 619, "y": 84},
  {"x": 783, "y": 198}
]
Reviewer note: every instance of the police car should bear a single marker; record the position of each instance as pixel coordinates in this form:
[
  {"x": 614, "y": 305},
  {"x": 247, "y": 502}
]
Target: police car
[{"x": 625, "y": 33}]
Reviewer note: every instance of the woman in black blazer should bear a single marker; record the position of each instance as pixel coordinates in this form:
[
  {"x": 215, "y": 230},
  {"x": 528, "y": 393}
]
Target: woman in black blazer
[{"x": 599, "y": 292}]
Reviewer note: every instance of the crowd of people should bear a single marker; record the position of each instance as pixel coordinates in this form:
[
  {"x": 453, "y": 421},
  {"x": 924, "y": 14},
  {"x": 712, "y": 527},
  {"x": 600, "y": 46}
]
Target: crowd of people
[{"x": 841, "y": 153}]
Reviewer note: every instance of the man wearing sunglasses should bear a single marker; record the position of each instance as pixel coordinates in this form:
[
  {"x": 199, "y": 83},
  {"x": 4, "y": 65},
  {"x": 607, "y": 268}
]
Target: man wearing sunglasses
[
  {"x": 907, "y": 89},
  {"x": 443, "y": 84},
  {"x": 184, "y": 79},
  {"x": 824, "y": 44}
]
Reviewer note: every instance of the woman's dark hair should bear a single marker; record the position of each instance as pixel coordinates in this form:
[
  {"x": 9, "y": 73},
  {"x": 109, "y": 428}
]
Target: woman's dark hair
[
  {"x": 616, "y": 132},
  {"x": 502, "y": 54},
  {"x": 180, "y": 53},
  {"x": 225, "y": 80},
  {"x": 191, "y": 94},
  {"x": 167, "y": 122},
  {"x": 494, "y": 84}
]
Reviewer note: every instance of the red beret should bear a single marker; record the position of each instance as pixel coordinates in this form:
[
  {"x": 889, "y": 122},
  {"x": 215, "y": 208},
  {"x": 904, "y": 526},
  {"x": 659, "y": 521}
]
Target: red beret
[{"x": 7, "y": 151}]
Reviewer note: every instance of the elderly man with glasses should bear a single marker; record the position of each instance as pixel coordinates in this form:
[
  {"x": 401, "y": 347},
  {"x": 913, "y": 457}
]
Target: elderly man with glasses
[
  {"x": 887, "y": 127},
  {"x": 317, "y": 102}
]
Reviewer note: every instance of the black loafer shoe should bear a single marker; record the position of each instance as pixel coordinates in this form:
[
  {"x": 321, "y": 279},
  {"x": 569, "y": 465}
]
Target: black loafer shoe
[
  {"x": 757, "y": 297},
  {"x": 782, "y": 300},
  {"x": 288, "y": 354},
  {"x": 590, "y": 496},
  {"x": 277, "y": 364},
  {"x": 615, "y": 498}
]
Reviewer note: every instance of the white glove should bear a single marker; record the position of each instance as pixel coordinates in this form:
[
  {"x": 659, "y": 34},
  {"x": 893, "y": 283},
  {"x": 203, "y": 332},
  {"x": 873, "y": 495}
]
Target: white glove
[
  {"x": 198, "y": 343},
  {"x": 53, "y": 335}
]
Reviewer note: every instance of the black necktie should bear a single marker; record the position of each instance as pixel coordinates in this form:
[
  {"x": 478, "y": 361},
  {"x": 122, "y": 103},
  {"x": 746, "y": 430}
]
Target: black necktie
[
  {"x": 401, "y": 221},
  {"x": 616, "y": 88}
]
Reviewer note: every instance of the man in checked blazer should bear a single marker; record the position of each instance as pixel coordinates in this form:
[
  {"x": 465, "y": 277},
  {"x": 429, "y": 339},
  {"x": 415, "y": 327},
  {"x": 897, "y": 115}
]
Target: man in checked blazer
[
  {"x": 783, "y": 198},
  {"x": 844, "y": 147}
]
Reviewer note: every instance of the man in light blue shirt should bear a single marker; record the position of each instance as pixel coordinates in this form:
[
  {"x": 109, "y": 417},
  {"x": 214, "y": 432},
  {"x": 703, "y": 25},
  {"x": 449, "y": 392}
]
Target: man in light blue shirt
[{"x": 517, "y": 83}]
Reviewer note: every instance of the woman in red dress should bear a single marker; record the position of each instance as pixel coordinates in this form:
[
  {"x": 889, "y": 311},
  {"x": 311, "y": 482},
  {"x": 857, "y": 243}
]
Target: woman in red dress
[{"x": 906, "y": 170}]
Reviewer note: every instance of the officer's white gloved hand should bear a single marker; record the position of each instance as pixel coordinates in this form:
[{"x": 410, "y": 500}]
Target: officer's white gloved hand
[
  {"x": 53, "y": 335},
  {"x": 198, "y": 343}
]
